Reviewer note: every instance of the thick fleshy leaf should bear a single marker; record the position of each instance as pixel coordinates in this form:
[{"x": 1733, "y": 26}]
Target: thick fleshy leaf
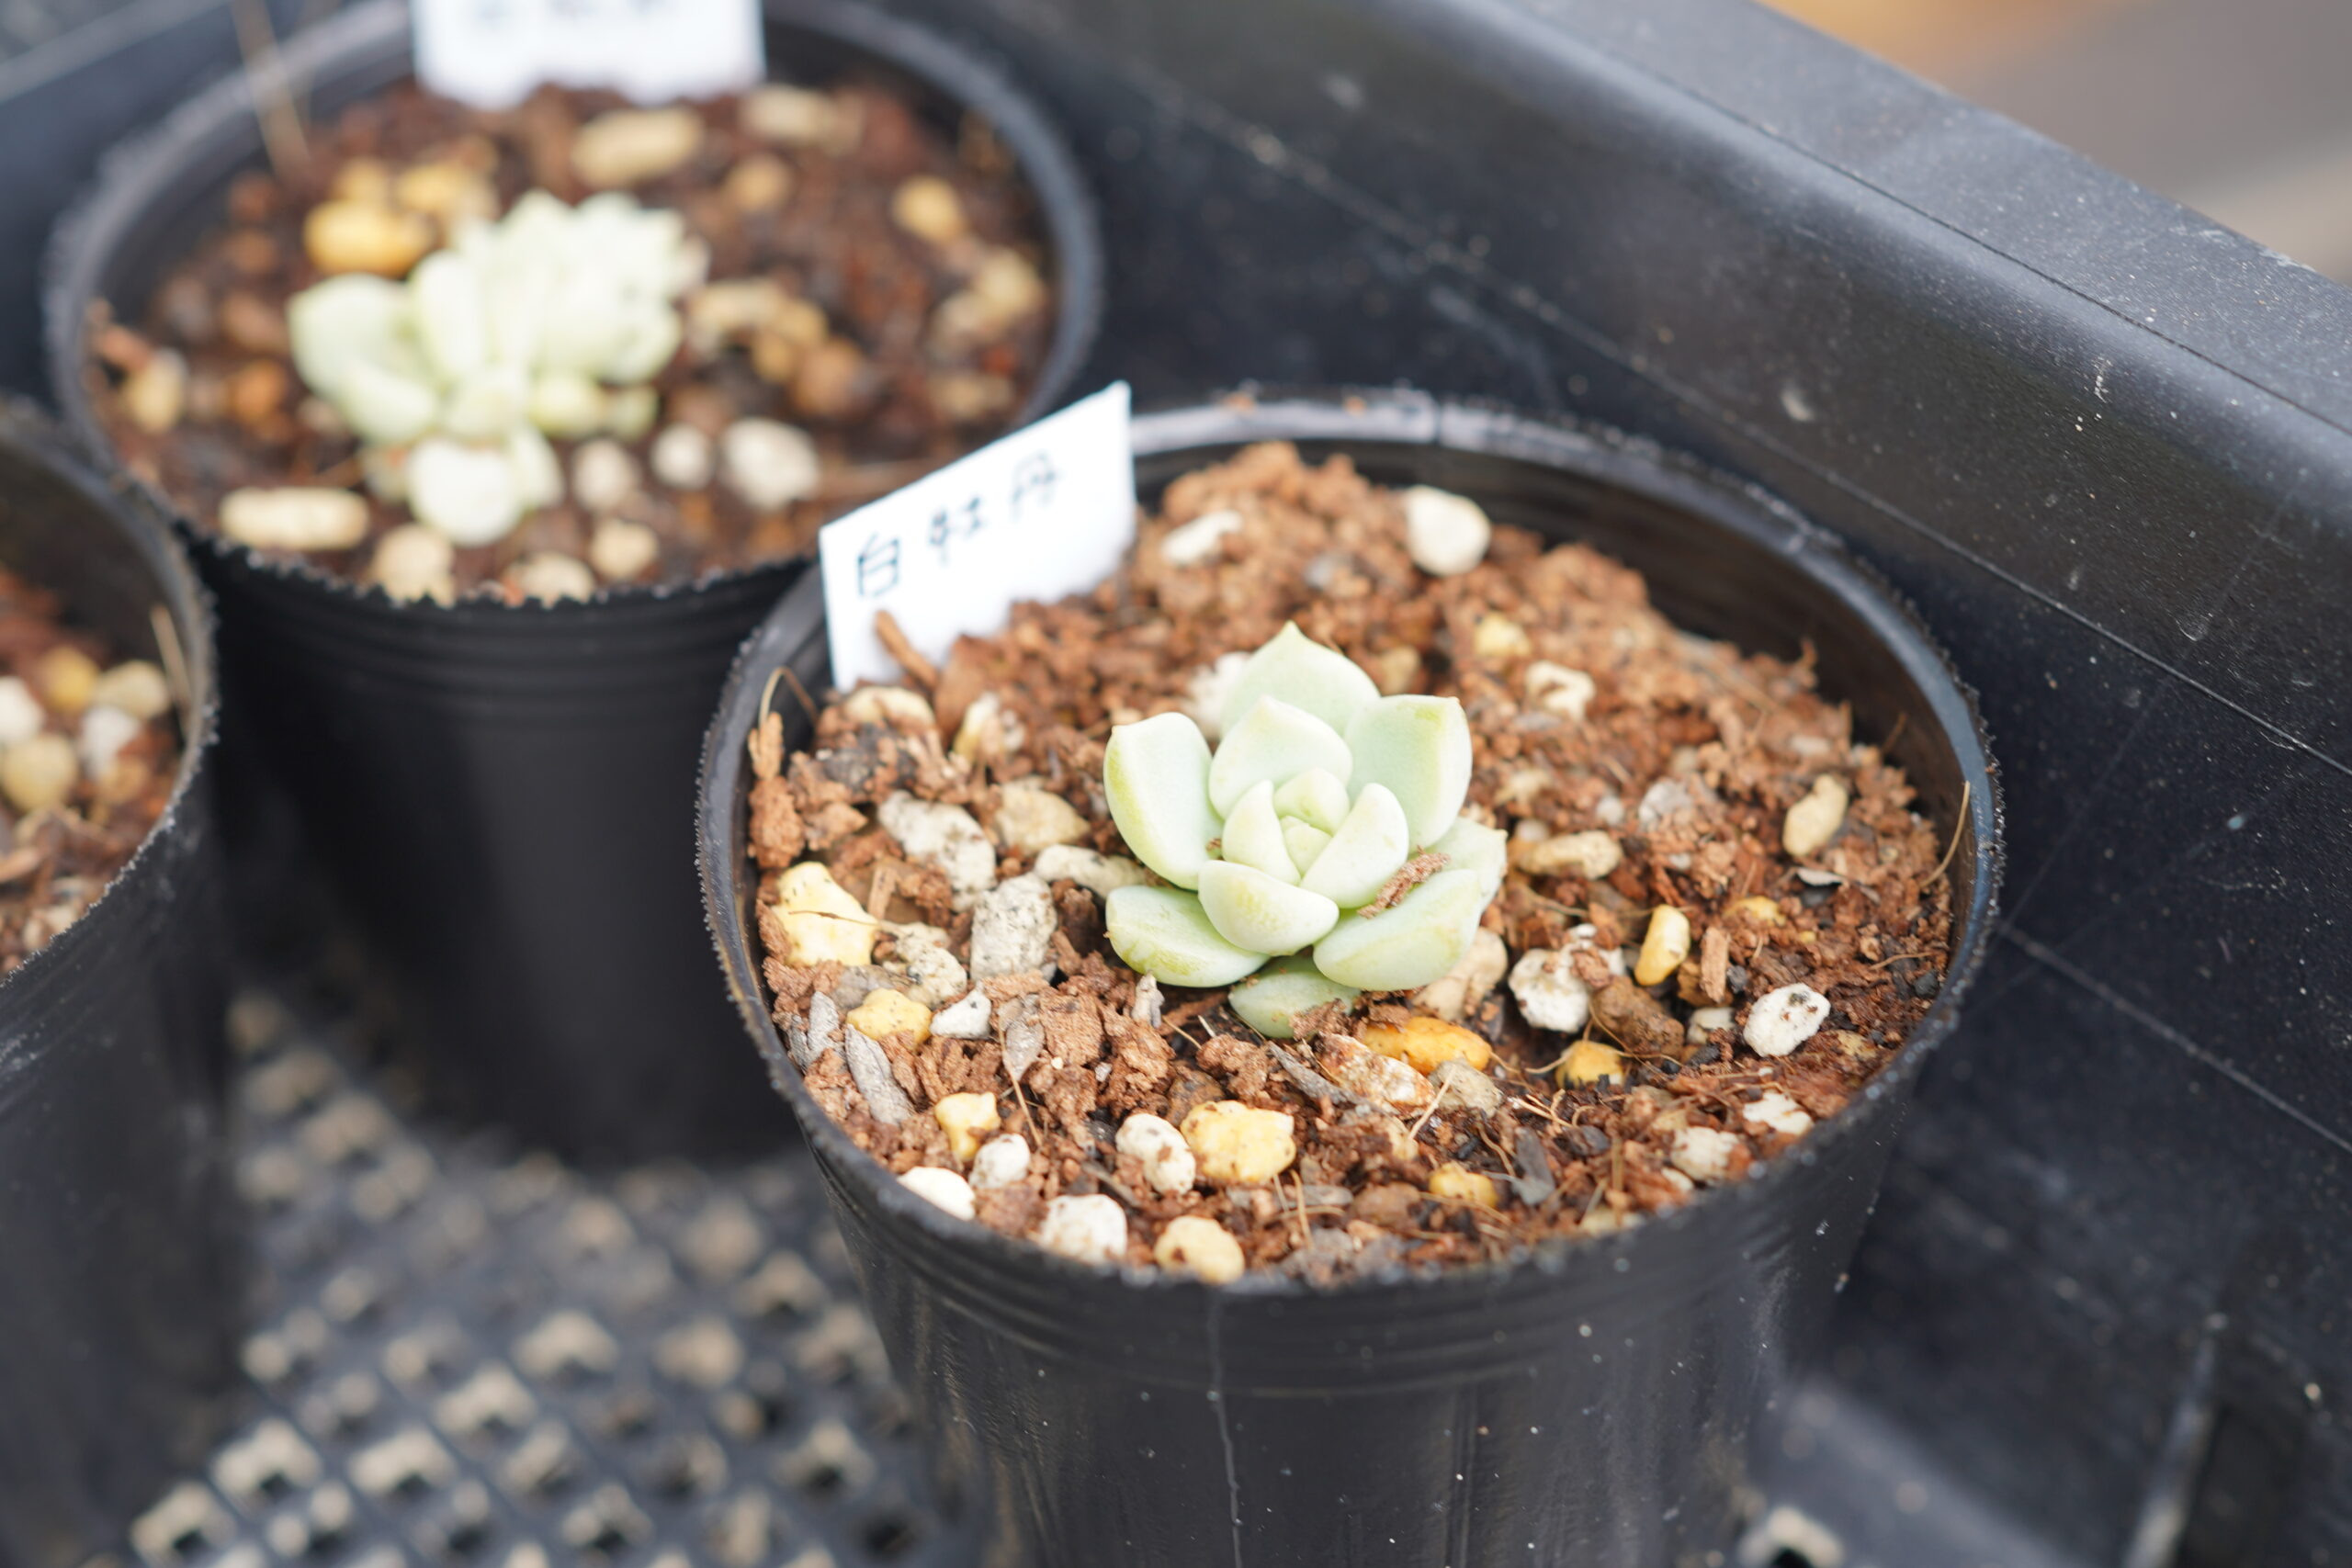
[
  {"x": 1269, "y": 1000},
  {"x": 1304, "y": 672},
  {"x": 1305, "y": 840},
  {"x": 1164, "y": 933},
  {"x": 385, "y": 406},
  {"x": 1250, "y": 909},
  {"x": 349, "y": 318},
  {"x": 1156, "y": 776},
  {"x": 452, "y": 324},
  {"x": 1473, "y": 846},
  {"x": 1365, "y": 853},
  {"x": 1406, "y": 947},
  {"x": 1420, "y": 748},
  {"x": 1253, "y": 835},
  {"x": 1274, "y": 739},
  {"x": 1317, "y": 795}
]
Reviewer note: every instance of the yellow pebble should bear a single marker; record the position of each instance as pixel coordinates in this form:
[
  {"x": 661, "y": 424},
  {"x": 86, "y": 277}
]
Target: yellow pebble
[
  {"x": 1814, "y": 820},
  {"x": 156, "y": 392},
  {"x": 1665, "y": 947},
  {"x": 37, "y": 773},
  {"x": 1239, "y": 1145},
  {"x": 450, "y": 192},
  {"x": 67, "y": 678},
  {"x": 1198, "y": 1246},
  {"x": 1589, "y": 1061},
  {"x": 137, "y": 687},
  {"x": 928, "y": 208},
  {"x": 887, "y": 1012},
  {"x": 361, "y": 236},
  {"x": 1458, "y": 1181},
  {"x": 821, "y": 921},
  {"x": 1499, "y": 636},
  {"x": 966, "y": 1118},
  {"x": 628, "y": 147},
  {"x": 1760, "y": 910},
  {"x": 1423, "y": 1043},
  {"x": 363, "y": 179}
]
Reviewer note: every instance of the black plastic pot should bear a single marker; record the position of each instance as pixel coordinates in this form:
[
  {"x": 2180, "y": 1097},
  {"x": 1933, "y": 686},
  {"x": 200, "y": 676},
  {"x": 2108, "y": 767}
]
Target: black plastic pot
[
  {"x": 1589, "y": 1405},
  {"x": 120, "y": 1236},
  {"x": 502, "y": 792}
]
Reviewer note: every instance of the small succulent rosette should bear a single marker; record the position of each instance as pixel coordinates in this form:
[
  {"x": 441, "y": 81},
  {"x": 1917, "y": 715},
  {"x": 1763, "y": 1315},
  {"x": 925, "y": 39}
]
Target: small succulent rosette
[{"x": 1318, "y": 851}]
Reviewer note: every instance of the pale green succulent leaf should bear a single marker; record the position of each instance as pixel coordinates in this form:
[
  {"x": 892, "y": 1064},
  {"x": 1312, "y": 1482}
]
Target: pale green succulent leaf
[
  {"x": 452, "y": 322},
  {"x": 1406, "y": 947},
  {"x": 1473, "y": 846},
  {"x": 345, "y": 319},
  {"x": 1273, "y": 740},
  {"x": 1305, "y": 840},
  {"x": 1156, "y": 776},
  {"x": 1420, "y": 748},
  {"x": 383, "y": 405},
  {"x": 1365, "y": 853},
  {"x": 1316, "y": 795},
  {"x": 1270, "y": 1000},
  {"x": 1253, "y": 910},
  {"x": 1300, "y": 671},
  {"x": 1164, "y": 933},
  {"x": 1253, "y": 835}
]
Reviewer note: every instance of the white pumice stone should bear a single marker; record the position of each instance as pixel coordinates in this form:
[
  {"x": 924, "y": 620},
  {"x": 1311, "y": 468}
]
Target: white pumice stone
[
  {"x": 945, "y": 1188},
  {"x": 135, "y": 686},
  {"x": 294, "y": 517},
  {"x": 1591, "y": 854},
  {"x": 1208, "y": 689},
  {"x": 412, "y": 562},
  {"x": 1775, "y": 1111},
  {"x": 1461, "y": 1086},
  {"x": 1550, "y": 995},
  {"x": 1194, "y": 542},
  {"x": 1783, "y": 1019},
  {"x": 1100, "y": 874},
  {"x": 105, "y": 731},
  {"x": 620, "y": 550},
  {"x": 1012, "y": 927},
  {"x": 1453, "y": 993},
  {"x": 603, "y": 475},
  {"x": 1702, "y": 1153},
  {"x": 1145, "y": 1009},
  {"x": 1665, "y": 799},
  {"x": 1093, "y": 1229},
  {"x": 1155, "y": 1143},
  {"x": 1558, "y": 689},
  {"x": 1031, "y": 820},
  {"x": 769, "y": 464},
  {"x": 682, "y": 458},
  {"x": 1001, "y": 1161},
  {"x": 1705, "y": 1022},
  {"x": 934, "y": 975},
  {"x": 1813, "y": 820},
  {"x": 469, "y": 493},
  {"x": 1446, "y": 534},
  {"x": 21, "y": 715},
  {"x": 966, "y": 1019},
  {"x": 550, "y": 575},
  {"x": 945, "y": 836}
]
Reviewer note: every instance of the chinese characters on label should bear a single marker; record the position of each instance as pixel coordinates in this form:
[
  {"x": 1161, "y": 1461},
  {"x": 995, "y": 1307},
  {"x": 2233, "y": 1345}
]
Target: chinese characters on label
[{"x": 1044, "y": 512}]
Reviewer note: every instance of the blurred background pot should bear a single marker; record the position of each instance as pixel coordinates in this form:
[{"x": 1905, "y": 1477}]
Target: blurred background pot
[
  {"x": 500, "y": 794},
  {"x": 1590, "y": 1404},
  {"x": 119, "y": 1313}
]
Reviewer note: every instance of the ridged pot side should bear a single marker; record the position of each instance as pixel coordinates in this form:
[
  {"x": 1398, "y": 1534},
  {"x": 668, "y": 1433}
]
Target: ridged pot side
[{"x": 119, "y": 1326}]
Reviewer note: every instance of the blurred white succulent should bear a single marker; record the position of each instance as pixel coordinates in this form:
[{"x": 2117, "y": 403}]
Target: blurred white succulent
[
  {"x": 544, "y": 324},
  {"x": 1319, "y": 793}
]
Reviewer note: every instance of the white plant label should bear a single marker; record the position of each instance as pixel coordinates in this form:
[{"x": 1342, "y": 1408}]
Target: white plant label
[
  {"x": 1046, "y": 513},
  {"x": 493, "y": 53}
]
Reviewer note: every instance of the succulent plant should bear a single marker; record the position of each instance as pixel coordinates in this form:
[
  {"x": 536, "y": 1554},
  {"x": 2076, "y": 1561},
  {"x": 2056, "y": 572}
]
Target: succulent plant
[
  {"x": 1278, "y": 844},
  {"x": 547, "y": 322}
]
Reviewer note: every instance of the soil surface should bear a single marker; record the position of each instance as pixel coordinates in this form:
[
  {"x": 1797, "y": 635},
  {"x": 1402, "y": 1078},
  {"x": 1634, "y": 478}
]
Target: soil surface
[
  {"x": 89, "y": 748},
  {"x": 901, "y": 331},
  {"x": 1687, "y": 757}
]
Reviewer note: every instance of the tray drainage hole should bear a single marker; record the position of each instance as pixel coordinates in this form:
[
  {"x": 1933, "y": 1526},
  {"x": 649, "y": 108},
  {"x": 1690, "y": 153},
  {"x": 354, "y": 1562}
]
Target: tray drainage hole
[{"x": 893, "y": 1535}]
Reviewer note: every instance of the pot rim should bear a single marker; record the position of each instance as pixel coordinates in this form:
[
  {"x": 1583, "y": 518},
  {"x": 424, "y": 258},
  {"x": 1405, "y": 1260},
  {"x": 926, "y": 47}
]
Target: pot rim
[
  {"x": 1397, "y": 417},
  {"x": 134, "y": 173},
  {"x": 29, "y": 432}
]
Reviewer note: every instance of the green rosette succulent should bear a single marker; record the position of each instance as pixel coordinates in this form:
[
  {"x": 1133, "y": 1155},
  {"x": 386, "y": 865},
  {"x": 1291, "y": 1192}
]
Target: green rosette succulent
[{"x": 1278, "y": 843}]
